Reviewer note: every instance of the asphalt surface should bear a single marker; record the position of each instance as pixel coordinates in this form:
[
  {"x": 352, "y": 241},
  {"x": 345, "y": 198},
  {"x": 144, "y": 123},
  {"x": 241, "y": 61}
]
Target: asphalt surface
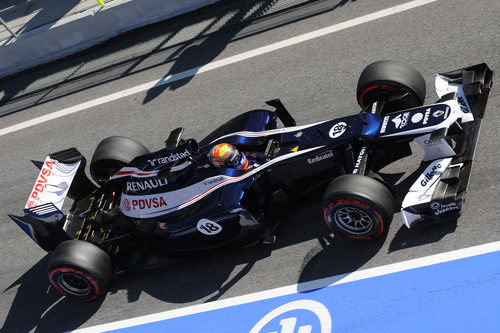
[{"x": 315, "y": 79}]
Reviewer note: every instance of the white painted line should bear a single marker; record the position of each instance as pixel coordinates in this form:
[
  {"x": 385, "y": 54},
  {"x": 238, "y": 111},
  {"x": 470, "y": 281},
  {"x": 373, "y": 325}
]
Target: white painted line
[
  {"x": 216, "y": 64},
  {"x": 301, "y": 287}
]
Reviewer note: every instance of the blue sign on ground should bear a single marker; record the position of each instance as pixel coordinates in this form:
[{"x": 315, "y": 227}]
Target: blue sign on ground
[{"x": 457, "y": 296}]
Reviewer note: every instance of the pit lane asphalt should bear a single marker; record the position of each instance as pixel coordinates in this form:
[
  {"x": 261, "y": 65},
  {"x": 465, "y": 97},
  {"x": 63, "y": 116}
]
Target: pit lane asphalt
[{"x": 316, "y": 80}]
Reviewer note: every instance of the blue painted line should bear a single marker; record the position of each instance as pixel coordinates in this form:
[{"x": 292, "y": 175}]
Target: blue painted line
[{"x": 456, "y": 296}]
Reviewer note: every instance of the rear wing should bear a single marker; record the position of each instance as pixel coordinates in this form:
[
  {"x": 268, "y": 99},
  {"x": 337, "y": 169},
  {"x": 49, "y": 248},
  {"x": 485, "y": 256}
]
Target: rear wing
[
  {"x": 439, "y": 192},
  {"x": 53, "y": 183},
  {"x": 62, "y": 175}
]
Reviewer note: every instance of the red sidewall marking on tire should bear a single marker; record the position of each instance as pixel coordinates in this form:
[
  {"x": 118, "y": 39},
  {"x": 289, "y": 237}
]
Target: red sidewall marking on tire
[
  {"x": 363, "y": 94},
  {"x": 381, "y": 223},
  {"x": 82, "y": 275},
  {"x": 388, "y": 88},
  {"x": 362, "y": 205}
]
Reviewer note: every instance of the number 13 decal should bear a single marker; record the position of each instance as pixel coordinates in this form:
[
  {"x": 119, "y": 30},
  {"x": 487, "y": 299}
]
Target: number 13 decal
[{"x": 208, "y": 227}]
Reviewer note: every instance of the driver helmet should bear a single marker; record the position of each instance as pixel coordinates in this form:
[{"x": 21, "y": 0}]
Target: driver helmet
[{"x": 227, "y": 155}]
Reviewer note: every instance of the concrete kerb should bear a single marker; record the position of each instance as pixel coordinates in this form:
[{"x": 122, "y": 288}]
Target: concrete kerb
[{"x": 85, "y": 29}]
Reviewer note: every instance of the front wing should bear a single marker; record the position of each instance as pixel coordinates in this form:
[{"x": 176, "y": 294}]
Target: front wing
[{"x": 438, "y": 193}]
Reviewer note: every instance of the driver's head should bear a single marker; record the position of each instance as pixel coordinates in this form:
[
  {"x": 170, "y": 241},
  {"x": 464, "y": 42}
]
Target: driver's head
[{"x": 227, "y": 155}]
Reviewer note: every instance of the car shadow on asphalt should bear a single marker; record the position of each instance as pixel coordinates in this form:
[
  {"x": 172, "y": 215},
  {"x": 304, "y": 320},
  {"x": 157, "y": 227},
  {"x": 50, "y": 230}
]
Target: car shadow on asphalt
[
  {"x": 335, "y": 256},
  {"x": 406, "y": 238},
  {"x": 39, "y": 307},
  {"x": 417, "y": 235},
  {"x": 191, "y": 280}
]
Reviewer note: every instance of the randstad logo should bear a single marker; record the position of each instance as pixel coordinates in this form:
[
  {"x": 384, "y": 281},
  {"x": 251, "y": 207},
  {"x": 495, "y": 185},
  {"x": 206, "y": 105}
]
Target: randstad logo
[{"x": 174, "y": 157}]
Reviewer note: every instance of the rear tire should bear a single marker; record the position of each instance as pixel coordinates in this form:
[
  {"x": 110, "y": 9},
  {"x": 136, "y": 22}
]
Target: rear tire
[
  {"x": 358, "y": 207},
  {"x": 80, "y": 270},
  {"x": 112, "y": 154},
  {"x": 400, "y": 85}
]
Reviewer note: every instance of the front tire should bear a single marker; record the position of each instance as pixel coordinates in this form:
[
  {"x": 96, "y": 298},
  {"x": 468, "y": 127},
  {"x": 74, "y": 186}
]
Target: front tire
[
  {"x": 358, "y": 207},
  {"x": 399, "y": 85},
  {"x": 80, "y": 270}
]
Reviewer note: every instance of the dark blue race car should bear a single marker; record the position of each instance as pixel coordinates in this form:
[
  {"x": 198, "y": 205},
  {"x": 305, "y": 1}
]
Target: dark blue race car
[{"x": 185, "y": 199}]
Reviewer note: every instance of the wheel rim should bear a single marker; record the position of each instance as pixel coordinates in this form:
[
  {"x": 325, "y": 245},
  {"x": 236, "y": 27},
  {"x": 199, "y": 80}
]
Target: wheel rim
[
  {"x": 74, "y": 284},
  {"x": 106, "y": 173},
  {"x": 353, "y": 220}
]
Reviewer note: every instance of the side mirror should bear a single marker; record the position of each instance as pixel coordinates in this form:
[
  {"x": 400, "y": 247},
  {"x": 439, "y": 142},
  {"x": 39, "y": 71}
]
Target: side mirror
[{"x": 174, "y": 138}]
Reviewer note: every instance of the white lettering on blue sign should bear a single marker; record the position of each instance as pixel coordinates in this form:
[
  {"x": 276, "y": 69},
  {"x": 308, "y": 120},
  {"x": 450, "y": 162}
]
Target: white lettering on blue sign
[{"x": 288, "y": 324}]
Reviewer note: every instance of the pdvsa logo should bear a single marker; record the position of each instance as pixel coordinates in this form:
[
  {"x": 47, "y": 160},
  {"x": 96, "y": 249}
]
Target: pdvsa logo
[{"x": 297, "y": 316}]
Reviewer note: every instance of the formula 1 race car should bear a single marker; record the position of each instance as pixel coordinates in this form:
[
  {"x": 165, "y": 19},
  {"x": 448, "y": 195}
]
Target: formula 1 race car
[{"x": 176, "y": 202}]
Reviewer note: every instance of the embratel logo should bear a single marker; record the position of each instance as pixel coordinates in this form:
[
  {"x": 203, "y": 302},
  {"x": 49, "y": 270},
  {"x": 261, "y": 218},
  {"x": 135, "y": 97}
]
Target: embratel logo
[
  {"x": 337, "y": 130},
  {"x": 323, "y": 156},
  {"x": 316, "y": 318}
]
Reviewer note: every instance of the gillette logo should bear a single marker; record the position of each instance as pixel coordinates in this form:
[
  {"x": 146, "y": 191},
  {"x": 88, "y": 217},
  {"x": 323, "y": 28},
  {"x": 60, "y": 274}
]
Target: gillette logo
[{"x": 429, "y": 175}]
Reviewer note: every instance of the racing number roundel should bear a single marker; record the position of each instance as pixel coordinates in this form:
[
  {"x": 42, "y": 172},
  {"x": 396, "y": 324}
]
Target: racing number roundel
[
  {"x": 337, "y": 130},
  {"x": 208, "y": 227}
]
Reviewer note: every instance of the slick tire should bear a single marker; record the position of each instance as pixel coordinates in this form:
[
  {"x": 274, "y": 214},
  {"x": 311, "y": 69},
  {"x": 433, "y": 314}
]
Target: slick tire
[
  {"x": 358, "y": 207},
  {"x": 400, "y": 85},
  {"x": 80, "y": 270},
  {"x": 112, "y": 154}
]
